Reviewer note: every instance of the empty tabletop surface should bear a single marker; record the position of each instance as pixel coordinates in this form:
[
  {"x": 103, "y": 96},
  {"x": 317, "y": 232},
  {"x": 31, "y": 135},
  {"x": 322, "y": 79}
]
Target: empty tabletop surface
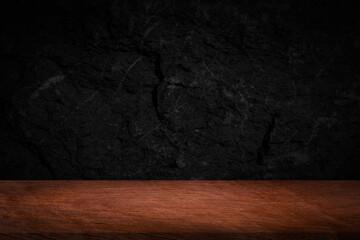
[{"x": 35, "y": 209}]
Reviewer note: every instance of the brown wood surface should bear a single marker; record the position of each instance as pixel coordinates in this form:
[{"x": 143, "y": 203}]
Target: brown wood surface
[{"x": 179, "y": 209}]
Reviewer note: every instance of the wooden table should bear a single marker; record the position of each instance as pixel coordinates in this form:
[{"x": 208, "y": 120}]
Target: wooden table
[{"x": 179, "y": 210}]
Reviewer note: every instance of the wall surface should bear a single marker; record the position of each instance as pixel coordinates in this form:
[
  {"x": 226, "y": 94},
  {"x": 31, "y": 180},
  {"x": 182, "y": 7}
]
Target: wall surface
[{"x": 108, "y": 89}]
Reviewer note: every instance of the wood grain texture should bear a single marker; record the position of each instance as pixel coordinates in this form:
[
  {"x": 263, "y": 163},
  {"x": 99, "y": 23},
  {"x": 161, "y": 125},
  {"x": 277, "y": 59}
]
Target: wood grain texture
[{"x": 179, "y": 209}]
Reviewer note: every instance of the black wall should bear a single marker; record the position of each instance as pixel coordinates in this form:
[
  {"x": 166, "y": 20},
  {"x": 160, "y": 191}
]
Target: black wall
[{"x": 178, "y": 89}]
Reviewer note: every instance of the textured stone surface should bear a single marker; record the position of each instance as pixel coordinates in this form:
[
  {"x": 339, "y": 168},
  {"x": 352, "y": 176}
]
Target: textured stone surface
[{"x": 179, "y": 90}]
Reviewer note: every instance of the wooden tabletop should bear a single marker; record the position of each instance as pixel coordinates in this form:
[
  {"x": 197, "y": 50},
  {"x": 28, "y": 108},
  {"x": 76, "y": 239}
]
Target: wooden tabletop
[{"x": 179, "y": 209}]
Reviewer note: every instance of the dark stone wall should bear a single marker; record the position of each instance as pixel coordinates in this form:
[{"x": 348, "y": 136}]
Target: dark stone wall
[{"x": 127, "y": 89}]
